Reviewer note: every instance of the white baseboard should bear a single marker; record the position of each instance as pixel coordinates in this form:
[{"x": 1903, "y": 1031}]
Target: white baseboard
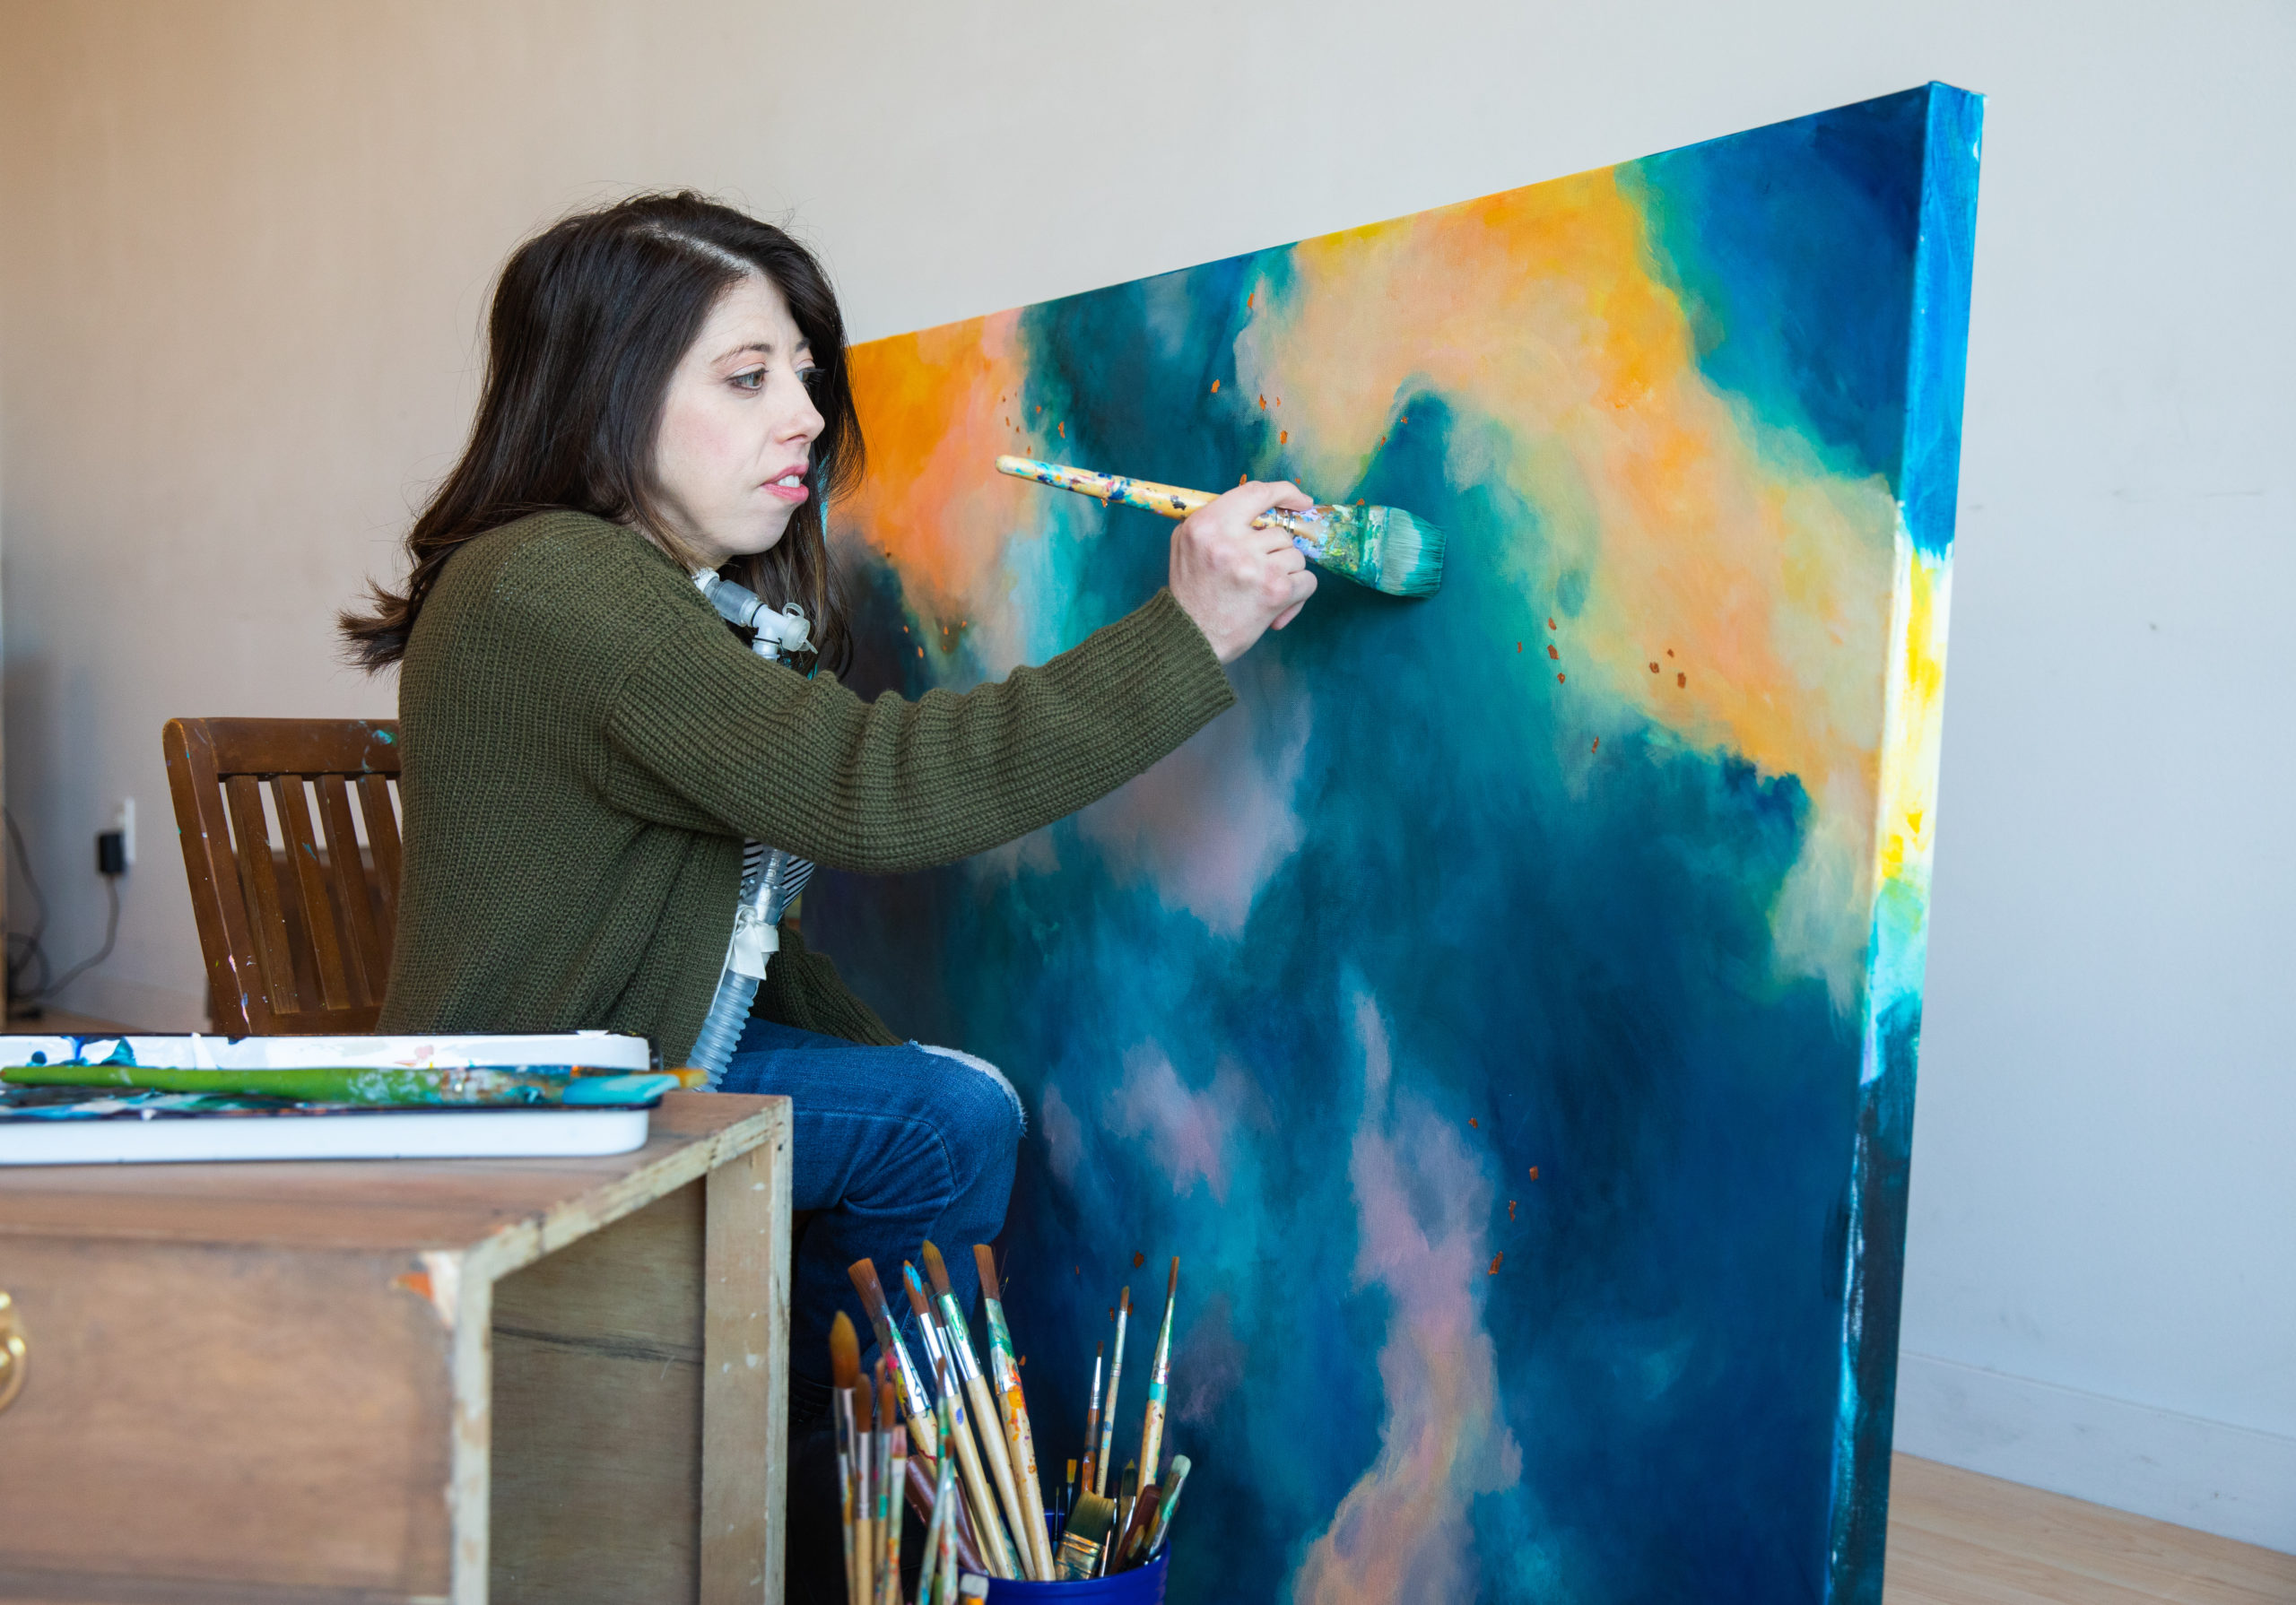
[{"x": 2221, "y": 1478}]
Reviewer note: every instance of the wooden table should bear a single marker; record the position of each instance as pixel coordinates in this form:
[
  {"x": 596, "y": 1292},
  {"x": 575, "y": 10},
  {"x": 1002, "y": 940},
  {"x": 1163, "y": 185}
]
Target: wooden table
[{"x": 387, "y": 1381}]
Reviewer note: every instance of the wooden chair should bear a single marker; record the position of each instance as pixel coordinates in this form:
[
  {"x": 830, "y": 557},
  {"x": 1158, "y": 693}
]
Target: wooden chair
[{"x": 295, "y": 925}]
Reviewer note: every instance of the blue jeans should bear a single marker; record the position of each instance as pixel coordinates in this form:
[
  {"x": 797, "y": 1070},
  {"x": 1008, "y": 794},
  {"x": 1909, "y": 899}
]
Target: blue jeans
[{"x": 892, "y": 1146}]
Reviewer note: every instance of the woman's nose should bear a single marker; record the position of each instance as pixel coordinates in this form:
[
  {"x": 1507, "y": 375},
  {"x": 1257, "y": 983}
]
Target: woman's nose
[{"x": 805, "y": 421}]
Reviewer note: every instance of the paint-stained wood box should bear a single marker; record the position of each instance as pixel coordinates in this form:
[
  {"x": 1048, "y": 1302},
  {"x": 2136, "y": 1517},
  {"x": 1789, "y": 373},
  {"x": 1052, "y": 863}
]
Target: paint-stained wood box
[{"x": 368, "y": 1382}]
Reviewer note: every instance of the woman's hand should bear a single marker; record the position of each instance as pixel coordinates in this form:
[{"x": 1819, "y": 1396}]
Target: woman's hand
[{"x": 1236, "y": 581}]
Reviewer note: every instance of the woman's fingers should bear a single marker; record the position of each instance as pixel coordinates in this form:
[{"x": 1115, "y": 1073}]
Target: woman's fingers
[
  {"x": 1304, "y": 586},
  {"x": 1233, "y": 578}
]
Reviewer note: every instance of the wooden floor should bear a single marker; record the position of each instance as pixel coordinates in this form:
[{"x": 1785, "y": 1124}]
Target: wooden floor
[{"x": 1960, "y": 1539}]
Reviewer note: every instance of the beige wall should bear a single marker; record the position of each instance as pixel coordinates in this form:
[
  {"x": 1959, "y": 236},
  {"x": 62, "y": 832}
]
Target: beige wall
[{"x": 243, "y": 251}]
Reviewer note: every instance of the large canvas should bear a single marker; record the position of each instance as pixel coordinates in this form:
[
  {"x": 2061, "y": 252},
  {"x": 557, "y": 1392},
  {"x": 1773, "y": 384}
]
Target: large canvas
[{"x": 1509, "y": 1012}]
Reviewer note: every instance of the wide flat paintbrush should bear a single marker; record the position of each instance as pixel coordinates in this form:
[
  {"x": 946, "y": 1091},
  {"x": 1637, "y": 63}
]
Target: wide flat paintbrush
[
  {"x": 1081, "y": 1543},
  {"x": 1107, "y": 1413},
  {"x": 1151, "y": 1425},
  {"x": 958, "y": 1434},
  {"x": 958, "y": 1335},
  {"x": 917, "y": 1405},
  {"x": 1384, "y": 547},
  {"x": 844, "y": 1373},
  {"x": 1005, "y": 1371}
]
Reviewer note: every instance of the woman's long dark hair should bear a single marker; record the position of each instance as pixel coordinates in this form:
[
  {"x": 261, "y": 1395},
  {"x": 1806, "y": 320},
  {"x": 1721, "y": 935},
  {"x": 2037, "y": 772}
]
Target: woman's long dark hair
[{"x": 590, "y": 318}]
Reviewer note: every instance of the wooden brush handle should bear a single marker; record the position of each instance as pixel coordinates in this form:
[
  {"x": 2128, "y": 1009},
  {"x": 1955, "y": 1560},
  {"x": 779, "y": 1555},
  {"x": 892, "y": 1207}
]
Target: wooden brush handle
[
  {"x": 920, "y": 1485},
  {"x": 1171, "y": 500}
]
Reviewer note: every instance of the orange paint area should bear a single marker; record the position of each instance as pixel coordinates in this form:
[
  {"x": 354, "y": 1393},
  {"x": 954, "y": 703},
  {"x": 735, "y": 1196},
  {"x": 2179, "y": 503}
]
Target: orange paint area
[{"x": 1600, "y": 417}]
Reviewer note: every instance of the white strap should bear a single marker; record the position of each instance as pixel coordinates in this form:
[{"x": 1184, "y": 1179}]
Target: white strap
[{"x": 754, "y": 943}]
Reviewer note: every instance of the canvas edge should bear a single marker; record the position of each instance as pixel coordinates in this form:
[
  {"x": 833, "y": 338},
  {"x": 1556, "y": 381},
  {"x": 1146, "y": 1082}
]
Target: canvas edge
[{"x": 1905, "y": 833}]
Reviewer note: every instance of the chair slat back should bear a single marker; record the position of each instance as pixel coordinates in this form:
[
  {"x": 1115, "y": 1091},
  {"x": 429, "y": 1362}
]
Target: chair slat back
[{"x": 296, "y": 916}]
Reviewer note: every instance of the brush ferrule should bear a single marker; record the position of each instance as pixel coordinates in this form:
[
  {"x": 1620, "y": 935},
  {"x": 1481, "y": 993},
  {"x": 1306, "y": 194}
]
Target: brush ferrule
[
  {"x": 960, "y": 1337},
  {"x": 932, "y": 1350},
  {"x": 914, "y": 1399}
]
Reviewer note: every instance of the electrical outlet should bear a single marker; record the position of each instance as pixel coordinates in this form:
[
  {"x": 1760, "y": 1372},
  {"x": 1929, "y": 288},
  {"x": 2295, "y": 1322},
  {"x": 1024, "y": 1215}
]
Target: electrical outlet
[{"x": 123, "y": 820}]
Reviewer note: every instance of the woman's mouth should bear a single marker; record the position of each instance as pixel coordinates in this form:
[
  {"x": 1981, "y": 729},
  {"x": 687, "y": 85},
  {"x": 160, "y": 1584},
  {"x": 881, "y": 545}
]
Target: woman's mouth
[{"x": 790, "y": 487}]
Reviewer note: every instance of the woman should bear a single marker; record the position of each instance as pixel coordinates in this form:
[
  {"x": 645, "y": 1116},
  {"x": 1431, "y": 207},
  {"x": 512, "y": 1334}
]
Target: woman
[{"x": 586, "y": 744}]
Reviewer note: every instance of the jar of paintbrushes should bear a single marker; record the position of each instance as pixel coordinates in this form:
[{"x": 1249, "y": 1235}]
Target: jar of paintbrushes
[{"x": 960, "y": 1452}]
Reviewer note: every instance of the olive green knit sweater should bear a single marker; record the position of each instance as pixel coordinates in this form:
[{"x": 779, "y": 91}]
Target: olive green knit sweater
[{"x": 585, "y": 744}]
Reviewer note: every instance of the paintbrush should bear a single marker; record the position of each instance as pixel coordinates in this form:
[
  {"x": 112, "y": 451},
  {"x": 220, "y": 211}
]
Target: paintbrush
[
  {"x": 892, "y": 1468},
  {"x": 1127, "y": 1498},
  {"x": 865, "y": 1491},
  {"x": 1005, "y": 1370},
  {"x": 958, "y": 1336},
  {"x": 924, "y": 1477},
  {"x": 1093, "y": 1423},
  {"x": 915, "y": 1402},
  {"x": 1087, "y": 1530},
  {"x": 844, "y": 1372},
  {"x": 958, "y": 1434},
  {"x": 947, "y": 1559},
  {"x": 1171, "y": 1496},
  {"x": 1127, "y": 1551},
  {"x": 1108, "y": 1415},
  {"x": 948, "y": 1417},
  {"x": 1384, "y": 547},
  {"x": 447, "y": 1086},
  {"x": 940, "y": 1524},
  {"x": 1068, "y": 1494},
  {"x": 1151, "y": 1426}
]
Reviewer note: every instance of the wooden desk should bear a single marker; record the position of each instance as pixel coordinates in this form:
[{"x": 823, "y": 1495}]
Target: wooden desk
[{"x": 368, "y": 1382}]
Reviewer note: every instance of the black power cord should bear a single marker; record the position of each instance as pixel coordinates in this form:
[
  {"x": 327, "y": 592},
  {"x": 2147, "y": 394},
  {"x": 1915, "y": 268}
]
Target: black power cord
[{"x": 26, "y": 1001}]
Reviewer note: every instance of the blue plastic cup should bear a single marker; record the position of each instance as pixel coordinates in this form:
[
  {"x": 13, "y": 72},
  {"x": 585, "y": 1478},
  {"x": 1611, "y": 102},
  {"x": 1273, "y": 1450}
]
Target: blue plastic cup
[{"x": 1141, "y": 1586}]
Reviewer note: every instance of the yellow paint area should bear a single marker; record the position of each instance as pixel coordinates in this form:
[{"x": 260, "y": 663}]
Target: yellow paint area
[{"x": 1905, "y": 826}]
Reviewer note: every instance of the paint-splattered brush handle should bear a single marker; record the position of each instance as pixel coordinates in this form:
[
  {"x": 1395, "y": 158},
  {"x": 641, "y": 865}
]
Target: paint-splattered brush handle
[
  {"x": 1308, "y": 530},
  {"x": 1171, "y": 500},
  {"x": 1019, "y": 1437},
  {"x": 406, "y": 1087}
]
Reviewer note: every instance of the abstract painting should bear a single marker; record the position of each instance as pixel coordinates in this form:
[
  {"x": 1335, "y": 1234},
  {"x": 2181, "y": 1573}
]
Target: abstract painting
[{"x": 1509, "y": 1012}]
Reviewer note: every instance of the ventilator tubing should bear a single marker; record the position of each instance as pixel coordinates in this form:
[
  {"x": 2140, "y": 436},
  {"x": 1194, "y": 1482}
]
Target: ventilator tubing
[
  {"x": 729, "y": 1012},
  {"x": 770, "y": 878}
]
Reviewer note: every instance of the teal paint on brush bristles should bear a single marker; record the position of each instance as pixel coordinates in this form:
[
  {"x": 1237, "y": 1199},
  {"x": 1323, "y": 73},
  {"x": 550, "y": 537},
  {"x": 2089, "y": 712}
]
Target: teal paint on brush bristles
[{"x": 1384, "y": 547}]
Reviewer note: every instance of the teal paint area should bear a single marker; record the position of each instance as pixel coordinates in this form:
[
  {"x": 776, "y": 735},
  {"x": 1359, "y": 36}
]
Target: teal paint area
[{"x": 1438, "y": 1030}]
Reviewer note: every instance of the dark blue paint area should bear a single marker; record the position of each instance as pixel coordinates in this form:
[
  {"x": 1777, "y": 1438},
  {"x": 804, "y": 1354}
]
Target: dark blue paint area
[
  {"x": 1792, "y": 247},
  {"x": 1941, "y": 317},
  {"x": 1884, "y": 1171},
  {"x": 1576, "y": 955}
]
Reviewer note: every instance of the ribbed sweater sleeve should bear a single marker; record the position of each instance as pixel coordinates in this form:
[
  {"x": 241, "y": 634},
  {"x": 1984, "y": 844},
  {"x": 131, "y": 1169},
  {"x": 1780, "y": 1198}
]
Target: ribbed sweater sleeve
[
  {"x": 891, "y": 786},
  {"x": 585, "y": 743}
]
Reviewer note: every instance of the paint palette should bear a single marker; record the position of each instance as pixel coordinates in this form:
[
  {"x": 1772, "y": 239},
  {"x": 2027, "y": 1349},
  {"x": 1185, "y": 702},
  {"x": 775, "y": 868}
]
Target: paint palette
[{"x": 69, "y": 1123}]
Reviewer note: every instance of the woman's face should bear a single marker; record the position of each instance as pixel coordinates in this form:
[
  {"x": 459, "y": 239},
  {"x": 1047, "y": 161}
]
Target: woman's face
[{"x": 738, "y": 426}]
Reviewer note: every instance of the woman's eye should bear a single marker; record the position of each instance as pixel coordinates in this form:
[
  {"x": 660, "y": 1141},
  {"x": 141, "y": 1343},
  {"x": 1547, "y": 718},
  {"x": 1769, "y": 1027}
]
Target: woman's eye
[
  {"x": 812, "y": 378},
  {"x": 752, "y": 380}
]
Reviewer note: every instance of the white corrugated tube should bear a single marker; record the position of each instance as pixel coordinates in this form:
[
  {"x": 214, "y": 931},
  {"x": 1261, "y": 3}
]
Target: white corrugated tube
[{"x": 771, "y": 878}]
